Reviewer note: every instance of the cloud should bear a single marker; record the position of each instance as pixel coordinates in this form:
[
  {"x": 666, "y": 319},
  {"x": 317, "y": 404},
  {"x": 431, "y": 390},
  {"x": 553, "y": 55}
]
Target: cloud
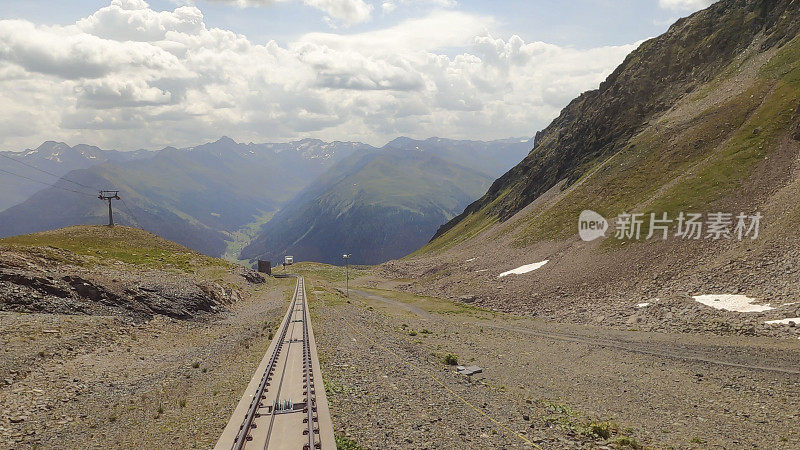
[
  {"x": 685, "y": 5},
  {"x": 347, "y": 12},
  {"x": 437, "y": 30},
  {"x": 389, "y": 6},
  {"x": 128, "y": 77}
]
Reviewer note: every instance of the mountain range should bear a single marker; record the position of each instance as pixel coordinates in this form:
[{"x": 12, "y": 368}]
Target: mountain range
[
  {"x": 47, "y": 163},
  {"x": 215, "y": 197}
]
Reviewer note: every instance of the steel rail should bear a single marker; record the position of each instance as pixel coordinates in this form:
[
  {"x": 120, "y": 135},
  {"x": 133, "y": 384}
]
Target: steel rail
[
  {"x": 252, "y": 412},
  {"x": 308, "y": 373},
  {"x": 278, "y": 393}
]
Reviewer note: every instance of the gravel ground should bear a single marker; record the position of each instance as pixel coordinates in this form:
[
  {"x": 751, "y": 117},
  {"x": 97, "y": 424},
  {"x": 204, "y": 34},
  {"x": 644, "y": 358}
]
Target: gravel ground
[
  {"x": 100, "y": 381},
  {"x": 93, "y": 381},
  {"x": 548, "y": 382}
]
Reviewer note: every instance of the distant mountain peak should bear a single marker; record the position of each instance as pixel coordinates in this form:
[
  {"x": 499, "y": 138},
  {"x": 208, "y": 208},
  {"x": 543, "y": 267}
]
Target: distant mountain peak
[
  {"x": 225, "y": 140},
  {"x": 400, "y": 141},
  {"x": 52, "y": 146}
]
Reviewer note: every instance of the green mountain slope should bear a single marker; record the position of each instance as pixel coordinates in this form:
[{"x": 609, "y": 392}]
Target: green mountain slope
[
  {"x": 661, "y": 72},
  {"x": 376, "y": 205},
  {"x": 703, "y": 119}
]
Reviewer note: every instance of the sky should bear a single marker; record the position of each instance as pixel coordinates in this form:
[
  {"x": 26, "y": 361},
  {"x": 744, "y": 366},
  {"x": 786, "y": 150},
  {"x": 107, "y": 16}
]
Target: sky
[{"x": 130, "y": 74}]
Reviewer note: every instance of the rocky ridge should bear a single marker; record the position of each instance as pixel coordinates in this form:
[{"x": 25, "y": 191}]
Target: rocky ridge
[{"x": 42, "y": 280}]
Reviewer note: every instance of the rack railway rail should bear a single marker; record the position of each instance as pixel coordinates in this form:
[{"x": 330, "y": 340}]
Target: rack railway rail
[{"x": 282, "y": 407}]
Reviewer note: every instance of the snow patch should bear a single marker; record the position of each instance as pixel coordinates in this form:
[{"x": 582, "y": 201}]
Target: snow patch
[
  {"x": 729, "y": 302},
  {"x": 796, "y": 320},
  {"x": 471, "y": 259},
  {"x": 481, "y": 270},
  {"x": 524, "y": 269},
  {"x": 646, "y": 304}
]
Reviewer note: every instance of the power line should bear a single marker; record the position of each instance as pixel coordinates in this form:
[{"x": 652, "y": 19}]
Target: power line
[
  {"x": 133, "y": 216},
  {"x": 102, "y": 193},
  {"x": 46, "y": 184},
  {"x": 138, "y": 224},
  {"x": 45, "y": 171}
]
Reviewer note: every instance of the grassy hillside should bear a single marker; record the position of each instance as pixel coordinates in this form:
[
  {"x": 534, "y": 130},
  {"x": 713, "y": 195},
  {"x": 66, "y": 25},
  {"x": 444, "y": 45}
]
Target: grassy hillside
[
  {"x": 690, "y": 60},
  {"x": 675, "y": 162},
  {"x": 104, "y": 245}
]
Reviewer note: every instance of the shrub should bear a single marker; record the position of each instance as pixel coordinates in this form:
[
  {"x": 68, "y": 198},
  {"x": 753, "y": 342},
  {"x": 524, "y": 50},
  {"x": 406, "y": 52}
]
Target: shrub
[
  {"x": 602, "y": 429},
  {"x": 450, "y": 359},
  {"x": 345, "y": 443}
]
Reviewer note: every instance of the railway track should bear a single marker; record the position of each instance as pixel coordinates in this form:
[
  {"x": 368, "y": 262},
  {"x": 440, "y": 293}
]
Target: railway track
[{"x": 282, "y": 407}]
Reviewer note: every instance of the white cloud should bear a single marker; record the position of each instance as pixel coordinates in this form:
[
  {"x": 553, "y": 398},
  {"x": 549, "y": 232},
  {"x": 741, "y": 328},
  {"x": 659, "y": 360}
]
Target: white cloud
[
  {"x": 347, "y": 12},
  {"x": 389, "y": 6},
  {"x": 129, "y": 77},
  {"x": 685, "y": 5}
]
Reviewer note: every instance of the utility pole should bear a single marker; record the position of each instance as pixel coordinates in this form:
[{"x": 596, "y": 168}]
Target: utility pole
[
  {"x": 109, "y": 195},
  {"x": 346, "y": 257}
]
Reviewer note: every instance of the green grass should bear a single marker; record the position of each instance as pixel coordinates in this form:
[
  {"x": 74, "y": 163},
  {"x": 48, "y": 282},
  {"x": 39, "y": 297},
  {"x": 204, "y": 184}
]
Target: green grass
[
  {"x": 785, "y": 65},
  {"x": 325, "y": 272},
  {"x": 603, "y": 429},
  {"x": 345, "y": 443},
  {"x": 324, "y": 297},
  {"x": 433, "y": 304},
  {"x": 102, "y": 245},
  {"x": 646, "y": 164},
  {"x": 608, "y": 431},
  {"x": 729, "y": 169}
]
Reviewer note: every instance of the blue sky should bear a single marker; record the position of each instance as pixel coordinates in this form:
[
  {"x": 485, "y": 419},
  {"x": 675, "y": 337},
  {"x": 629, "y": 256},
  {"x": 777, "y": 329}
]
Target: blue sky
[
  {"x": 172, "y": 72},
  {"x": 579, "y": 23}
]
